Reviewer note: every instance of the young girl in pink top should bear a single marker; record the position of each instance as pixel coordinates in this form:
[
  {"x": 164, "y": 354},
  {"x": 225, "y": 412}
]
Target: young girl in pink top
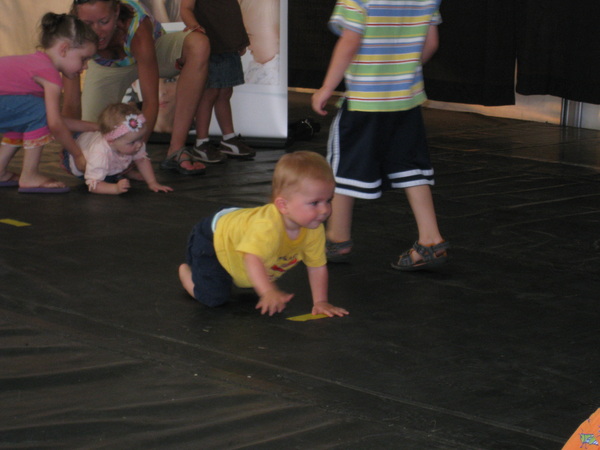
[
  {"x": 30, "y": 101},
  {"x": 111, "y": 152}
]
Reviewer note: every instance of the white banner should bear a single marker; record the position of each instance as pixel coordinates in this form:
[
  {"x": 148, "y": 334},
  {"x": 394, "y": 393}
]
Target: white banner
[{"x": 260, "y": 106}]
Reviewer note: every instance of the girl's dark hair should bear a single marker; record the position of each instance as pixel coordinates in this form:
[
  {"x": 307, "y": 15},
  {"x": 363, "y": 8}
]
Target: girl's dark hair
[
  {"x": 124, "y": 13},
  {"x": 65, "y": 26}
]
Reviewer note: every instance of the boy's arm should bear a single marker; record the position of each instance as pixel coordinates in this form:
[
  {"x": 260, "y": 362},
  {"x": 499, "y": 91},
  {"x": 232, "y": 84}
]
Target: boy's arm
[
  {"x": 432, "y": 42},
  {"x": 344, "y": 51},
  {"x": 271, "y": 300},
  {"x": 318, "y": 278}
]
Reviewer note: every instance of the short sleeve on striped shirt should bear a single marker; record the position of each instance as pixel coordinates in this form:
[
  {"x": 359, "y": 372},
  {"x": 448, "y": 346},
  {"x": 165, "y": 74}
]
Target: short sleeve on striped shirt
[{"x": 349, "y": 14}]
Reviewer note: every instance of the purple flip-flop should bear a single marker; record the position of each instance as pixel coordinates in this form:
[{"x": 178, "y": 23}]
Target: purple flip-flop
[
  {"x": 13, "y": 181},
  {"x": 44, "y": 190}
]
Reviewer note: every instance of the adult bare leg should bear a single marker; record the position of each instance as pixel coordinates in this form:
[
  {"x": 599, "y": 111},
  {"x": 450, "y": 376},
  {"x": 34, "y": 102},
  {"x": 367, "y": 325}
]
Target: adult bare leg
[{"x": 190, "y": 86}]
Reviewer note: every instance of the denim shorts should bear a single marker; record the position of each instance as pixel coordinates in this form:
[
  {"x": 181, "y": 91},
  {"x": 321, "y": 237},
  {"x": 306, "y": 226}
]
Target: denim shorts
[
  {"x": 23, "y": 118},
  {"x": 212, "y": 283},
  {"x": 225, "y": 70}
]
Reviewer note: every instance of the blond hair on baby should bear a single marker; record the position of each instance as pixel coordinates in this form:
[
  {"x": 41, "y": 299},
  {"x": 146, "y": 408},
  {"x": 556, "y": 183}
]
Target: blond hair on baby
[{"x": 293, "y": 168}]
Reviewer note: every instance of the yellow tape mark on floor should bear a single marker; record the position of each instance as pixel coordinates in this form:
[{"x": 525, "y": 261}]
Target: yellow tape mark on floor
[
  {"x": 305, "y": 317},
  {"x": 15, "y": 223}
]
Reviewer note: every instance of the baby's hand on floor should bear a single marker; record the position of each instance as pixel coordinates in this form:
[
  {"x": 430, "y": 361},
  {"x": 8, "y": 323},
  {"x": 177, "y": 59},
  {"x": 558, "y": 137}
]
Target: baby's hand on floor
[
  {"x": 156, "y": 187},
  {"x": 122, "y": 186},
  {"x": 273, "y": 301},
  {"x": 328, "y": 309}
]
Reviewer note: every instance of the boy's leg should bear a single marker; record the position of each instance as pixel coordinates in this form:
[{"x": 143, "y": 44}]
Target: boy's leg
[
  {"x": 204, "y": 115},
  {"x": 430, "y": 250},
  {"x": 409, "y": 167},
  {"x": 226, "y": 72},
  {"x": 349, "y": 149},
  {"x": 421, "y": 203},
  {"x": 203, "y": 150},
  {"x": 231, "y": 144},
  {"x": 223, "y": 110},
  {"x": 339, "y": 224}
]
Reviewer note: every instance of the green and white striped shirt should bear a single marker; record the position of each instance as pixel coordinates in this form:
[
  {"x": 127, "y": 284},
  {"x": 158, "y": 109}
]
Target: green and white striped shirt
[{"x": 386, "y": 73}]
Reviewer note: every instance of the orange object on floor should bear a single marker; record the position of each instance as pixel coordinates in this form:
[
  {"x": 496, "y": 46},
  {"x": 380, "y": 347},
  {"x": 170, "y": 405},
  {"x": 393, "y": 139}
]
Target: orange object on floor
[{"x": 587, "y": 434}]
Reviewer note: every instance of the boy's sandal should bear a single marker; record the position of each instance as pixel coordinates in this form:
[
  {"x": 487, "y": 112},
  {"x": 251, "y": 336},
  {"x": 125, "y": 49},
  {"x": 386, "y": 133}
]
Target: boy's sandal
[
  {"x": 333, "y": 250},
  {"x": 174, "y": 161},
  {"x": 432, "y": 256}
]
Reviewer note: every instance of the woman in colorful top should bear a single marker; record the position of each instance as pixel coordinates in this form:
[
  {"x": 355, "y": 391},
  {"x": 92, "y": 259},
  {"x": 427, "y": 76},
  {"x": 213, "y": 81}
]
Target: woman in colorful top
[{"x": 133, "y": 45}]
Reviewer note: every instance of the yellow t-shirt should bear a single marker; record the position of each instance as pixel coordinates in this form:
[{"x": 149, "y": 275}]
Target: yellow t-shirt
[{"x": 261, "y": 232}]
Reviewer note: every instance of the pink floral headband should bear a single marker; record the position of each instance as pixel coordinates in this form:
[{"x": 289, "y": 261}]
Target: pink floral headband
[{"x": 132, "y": 122}]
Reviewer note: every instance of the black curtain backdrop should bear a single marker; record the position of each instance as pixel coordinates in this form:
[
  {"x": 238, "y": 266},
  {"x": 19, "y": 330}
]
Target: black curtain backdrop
[
  {"x": 552, "y": 45},
  {"x": 558, "y": 49},
  {"x": 475, "y": 62},
  {"x": 310, "y": 42}
]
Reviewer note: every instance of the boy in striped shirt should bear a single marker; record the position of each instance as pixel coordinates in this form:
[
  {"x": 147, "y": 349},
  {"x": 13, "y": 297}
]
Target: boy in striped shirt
[{"x": 377, "y": 140}]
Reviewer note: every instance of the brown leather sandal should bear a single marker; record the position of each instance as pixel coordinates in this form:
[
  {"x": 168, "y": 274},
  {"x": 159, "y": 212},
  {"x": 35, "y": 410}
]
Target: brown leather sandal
[
  {"x": 333, "y": 251},
  {"x": 174, "y": 160},
  {"x": 432, "y": 256}
]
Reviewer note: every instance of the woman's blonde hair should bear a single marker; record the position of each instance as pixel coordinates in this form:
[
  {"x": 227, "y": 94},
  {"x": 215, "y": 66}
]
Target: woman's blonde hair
[
  {"x": 114, "y": 115},
  {"x": 293, "y": 168}
]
